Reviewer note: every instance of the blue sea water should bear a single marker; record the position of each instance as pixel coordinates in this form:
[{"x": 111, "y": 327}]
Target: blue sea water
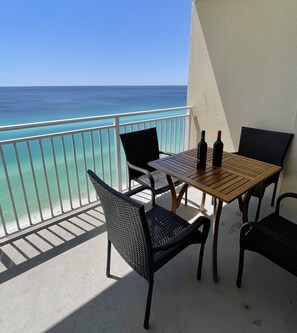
[
  {"x": 19, "y": 105},
  {"x": 34, "y": 104}
]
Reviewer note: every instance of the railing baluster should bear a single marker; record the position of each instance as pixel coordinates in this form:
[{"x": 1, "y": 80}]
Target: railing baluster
[
  {"x": 93, "y": 165},
  {"x": 57, "y": 174},
  {"x": 46, "y": 177},
  {"x": 117, "y": 153},
  {"x": 10, "y": 189},
  {"x": 76, "y": 168},
  {"x": 93, "y": 151},
  {"x": 22, "y": 182},
  {"x": 101, "y": 152},
  {"x": 3, "y": 221},
  {"x": 179, "y": 135},
  {"x": 124, "y": 130},
  {"x": 109, "y": 157},
  {"x": 67, "y": 171},
  {"x": 85, "y": 165},
  {"x": 34, "y": 180},
  {"x": 165, "y": 135},
  {"x": 187, "y": 126},
  {"x": 161, "y": 136},
  {"x": 170, "y": 134},
  {"x": 174, "y": 135}
]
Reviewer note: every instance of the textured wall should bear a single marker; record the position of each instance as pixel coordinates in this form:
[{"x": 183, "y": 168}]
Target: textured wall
[{"x": 243, "y": 71}]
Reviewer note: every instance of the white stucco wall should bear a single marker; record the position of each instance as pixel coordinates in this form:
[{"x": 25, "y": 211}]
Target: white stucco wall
[{"x": 243, "y": 71}]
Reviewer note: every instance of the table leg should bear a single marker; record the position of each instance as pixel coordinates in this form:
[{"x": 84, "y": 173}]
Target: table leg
[
  {"x": 245, "y": 206},
  {"x": 202, "y": 205},
  {"x": 215, "y": 229},
  {"x": 175, "y": 200},
  {"x": 240, "y": 203},
  {"x": 173, "y": 194}
]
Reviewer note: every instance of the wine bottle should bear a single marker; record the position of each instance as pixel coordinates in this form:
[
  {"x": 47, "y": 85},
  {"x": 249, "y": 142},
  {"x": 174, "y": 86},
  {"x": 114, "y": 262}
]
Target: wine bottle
[
  {"x": 217, "y": 151},
  {"x": 201, "y": 152}
]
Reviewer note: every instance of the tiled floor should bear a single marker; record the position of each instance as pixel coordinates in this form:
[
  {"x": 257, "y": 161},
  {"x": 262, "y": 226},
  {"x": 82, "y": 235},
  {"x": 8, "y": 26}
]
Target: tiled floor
[{"x": 54, "y": 281}]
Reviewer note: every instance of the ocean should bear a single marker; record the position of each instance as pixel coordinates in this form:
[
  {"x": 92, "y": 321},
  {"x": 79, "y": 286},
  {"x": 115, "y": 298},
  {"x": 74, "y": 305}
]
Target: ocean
[{"x": 20, "y": 105}]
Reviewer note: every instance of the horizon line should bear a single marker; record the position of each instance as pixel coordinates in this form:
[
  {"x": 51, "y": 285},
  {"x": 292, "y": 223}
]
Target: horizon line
[{"x": 108, "y": 85}]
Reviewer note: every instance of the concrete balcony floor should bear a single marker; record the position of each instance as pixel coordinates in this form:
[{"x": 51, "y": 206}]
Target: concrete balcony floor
[{"x": 54, "y": 281}]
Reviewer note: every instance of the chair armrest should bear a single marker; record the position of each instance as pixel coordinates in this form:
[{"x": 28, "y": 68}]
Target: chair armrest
[
  {"x": 279, "y": 237},
  {"x": 143, "y": 171},
  {"x": 188, "y": 232},
  {"x": 165, "y": 153},
  {"x": 283, "y": 196},
  {"x": 245, "y": 228},
  {"x": 137, "y": 190}
]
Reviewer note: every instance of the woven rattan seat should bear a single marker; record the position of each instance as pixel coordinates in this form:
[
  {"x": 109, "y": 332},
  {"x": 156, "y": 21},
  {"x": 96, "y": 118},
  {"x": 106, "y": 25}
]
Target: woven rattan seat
[
  {"x": 274, "y": 237},
  {"x": 140, "y": 148},
  {"x": 266, "y": 146},
  {"x": 146, "y": 240},
  {"x": 160, "y": 180}
]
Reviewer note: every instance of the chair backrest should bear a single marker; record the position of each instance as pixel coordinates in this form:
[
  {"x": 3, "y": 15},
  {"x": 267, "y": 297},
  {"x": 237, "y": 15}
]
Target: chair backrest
[
  {"x": 264, "y": 145},
  {"x": 141, "y": 147},
  {"x": 126, "y": 226}
]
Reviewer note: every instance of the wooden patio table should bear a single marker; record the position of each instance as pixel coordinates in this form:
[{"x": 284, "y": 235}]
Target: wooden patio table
[{"x": 236, "y": 177}]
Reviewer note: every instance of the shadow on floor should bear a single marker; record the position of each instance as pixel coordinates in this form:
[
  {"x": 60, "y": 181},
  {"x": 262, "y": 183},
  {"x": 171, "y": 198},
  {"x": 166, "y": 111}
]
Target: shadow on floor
[
  {"x": 45, "y": 242},
  {"x": 183, "y": 304}
]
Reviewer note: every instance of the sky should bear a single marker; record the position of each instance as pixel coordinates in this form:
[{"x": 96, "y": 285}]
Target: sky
[{"x": 94, "y": 42}]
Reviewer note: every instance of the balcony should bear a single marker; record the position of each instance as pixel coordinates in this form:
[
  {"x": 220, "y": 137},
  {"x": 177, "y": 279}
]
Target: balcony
[{"x": 53, "y": 243}]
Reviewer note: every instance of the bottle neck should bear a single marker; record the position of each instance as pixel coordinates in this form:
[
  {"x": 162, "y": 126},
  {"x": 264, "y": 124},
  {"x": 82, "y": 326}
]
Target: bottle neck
[
  {"x": 202, "y": 135},
  {"x": 219, "y": 135}
]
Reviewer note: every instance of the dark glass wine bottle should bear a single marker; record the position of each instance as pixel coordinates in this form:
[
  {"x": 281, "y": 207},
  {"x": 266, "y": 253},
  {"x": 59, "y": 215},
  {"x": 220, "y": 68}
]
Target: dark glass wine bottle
[
  {"x": 218, "y": 151},
  {"x": 201, "y": 152}
]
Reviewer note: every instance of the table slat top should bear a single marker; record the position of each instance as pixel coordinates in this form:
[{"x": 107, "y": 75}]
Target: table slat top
[{"x": 237, "y": 175}]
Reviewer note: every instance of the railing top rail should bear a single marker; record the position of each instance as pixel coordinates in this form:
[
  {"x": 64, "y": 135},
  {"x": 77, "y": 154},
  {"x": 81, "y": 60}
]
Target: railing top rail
[
  {"x": 52, "y": 135},
  {"x": 91, "y": 118},
  {"x": 128, "y": 123},
  {"x": 63, "y": 133}
]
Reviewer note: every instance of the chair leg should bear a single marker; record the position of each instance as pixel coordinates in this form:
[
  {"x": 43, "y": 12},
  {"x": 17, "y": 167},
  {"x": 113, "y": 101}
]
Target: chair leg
[
  {"x": 240, "y": 202},
  {"x": 186, "y": 197},
  {"x": 240, "y": 268},
  {"x": 108, "y": 258},
  {"x": 200, "y": 262},
  {"x": 148, "y": 305},
  {"x": 153, "y": 198},
  {"x": 273, "y": 194},
  {"x": 258, "y": 210}
]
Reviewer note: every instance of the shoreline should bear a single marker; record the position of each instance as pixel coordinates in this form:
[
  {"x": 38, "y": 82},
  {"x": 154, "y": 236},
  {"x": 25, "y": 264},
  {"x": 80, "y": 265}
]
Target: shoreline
[{"x": 12, "y": 227}]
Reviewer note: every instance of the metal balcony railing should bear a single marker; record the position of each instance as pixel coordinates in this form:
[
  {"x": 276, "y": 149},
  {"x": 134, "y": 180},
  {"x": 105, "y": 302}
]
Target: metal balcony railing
[{"x": 43, "y": 165}]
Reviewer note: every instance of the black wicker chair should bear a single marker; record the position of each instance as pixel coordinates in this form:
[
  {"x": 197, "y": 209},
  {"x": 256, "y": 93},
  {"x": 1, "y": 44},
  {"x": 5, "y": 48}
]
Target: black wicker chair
[
  {"x": 275, "y": 237},
  {"x": 266, "y": 146},
  {"x": 146, "y": 240},
  {"x": 140, "y": 148}
]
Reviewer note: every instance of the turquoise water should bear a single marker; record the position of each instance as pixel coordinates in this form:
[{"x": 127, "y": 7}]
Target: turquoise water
[{"x": 31, "y": 104}]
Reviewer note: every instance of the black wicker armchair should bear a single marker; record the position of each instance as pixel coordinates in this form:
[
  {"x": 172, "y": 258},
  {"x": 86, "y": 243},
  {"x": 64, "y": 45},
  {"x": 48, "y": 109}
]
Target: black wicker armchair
[
  {"x": 140, "y": 148},
  {"x": 146, "y": 240},
  {"x": 275, "y": 237},
  {"x": 266, "y": 146}
]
